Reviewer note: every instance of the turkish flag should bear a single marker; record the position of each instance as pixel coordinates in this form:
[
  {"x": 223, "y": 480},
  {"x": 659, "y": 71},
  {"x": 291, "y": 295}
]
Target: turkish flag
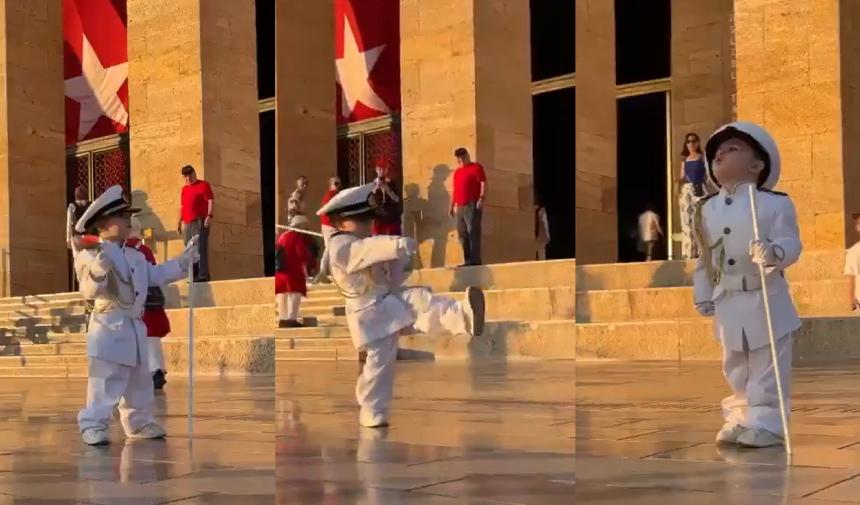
[
  {"x": 372, "y": 28},
  {"x": 99, "y": 28}
]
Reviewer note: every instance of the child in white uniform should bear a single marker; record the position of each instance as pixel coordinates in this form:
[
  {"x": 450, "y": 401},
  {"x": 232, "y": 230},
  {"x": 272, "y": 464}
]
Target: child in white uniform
[
  {"x": 727, "y": 283},
  {"x": 116, "y": 279},
  {"x": 370, "y": 272}
]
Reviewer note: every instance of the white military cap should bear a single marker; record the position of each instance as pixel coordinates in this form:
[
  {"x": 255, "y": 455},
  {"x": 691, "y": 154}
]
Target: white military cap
[
  {"x": 351, "y": 202},
  {"x": 110, "y": 203},
  {"x": 758, "y": 138}
]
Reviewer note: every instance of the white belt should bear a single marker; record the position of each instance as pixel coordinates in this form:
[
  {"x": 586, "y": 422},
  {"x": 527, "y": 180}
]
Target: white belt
[{"x": 742, "y": 282}]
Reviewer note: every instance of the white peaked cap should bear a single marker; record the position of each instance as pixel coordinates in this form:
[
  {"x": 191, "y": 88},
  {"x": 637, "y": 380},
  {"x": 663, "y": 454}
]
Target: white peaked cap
[
  {"x": 754, "y": 134},
  {"x": 350, "y": 202},
  {"x": 111, "y": 202}
]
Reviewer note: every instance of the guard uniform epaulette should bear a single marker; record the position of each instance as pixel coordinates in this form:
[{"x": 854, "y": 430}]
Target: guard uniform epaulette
[{"x": 765, "y": 190}]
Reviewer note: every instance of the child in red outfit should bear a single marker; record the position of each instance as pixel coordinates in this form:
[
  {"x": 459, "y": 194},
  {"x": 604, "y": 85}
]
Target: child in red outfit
[
  {"x": 154, "y": 316},
  {"x": 293, "y": 260}
]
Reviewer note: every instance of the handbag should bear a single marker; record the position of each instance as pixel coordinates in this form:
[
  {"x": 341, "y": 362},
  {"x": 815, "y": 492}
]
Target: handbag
[{"x": 154, "y": 298}]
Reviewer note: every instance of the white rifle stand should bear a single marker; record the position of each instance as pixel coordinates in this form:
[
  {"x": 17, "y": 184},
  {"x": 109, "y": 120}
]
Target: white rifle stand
[{"x": 190, "y": 350}]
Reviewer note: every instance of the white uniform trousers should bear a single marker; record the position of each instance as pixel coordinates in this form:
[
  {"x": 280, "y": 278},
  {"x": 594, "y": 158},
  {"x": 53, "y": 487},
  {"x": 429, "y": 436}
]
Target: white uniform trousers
[
  {"x": 288, "y": 306},
  {"x": 156, "y": 355},
  {"x": 376, "y": 383},
  {"x": 327, "y": 232},
  {"x": 111, "y": 383},
  {"x": 432, "y": 314},
  {"x": 751, "y": 375}
]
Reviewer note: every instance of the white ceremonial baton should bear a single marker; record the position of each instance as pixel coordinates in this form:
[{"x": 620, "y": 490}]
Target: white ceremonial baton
[
  {"x": 299, "y": 230},
  {"x": 770, "y": 328}
]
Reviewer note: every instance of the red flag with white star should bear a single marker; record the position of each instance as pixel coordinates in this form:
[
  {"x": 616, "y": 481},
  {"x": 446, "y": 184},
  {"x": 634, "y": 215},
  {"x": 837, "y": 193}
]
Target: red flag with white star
[
  {"x": 95, "y": 68},
  {"x": 367, "y": 56}
]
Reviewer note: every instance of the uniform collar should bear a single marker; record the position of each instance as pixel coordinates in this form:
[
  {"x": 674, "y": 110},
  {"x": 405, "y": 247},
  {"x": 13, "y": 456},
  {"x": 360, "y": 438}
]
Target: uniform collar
[{"x": 739, "y": 189}]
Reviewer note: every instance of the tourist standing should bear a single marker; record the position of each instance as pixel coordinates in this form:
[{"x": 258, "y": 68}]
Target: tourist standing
[
  {"x": 73, "y": 214},
  {"x": 650, "y": 231},
  {"x": 467, "y": 204},
  {"x": 692, "y": 189},
  {"x": 296, "y": 202},
  {"x": 197, "y": 202},
  {"x": 327, "y": 229},
  {"x": 389, "y": 221}
]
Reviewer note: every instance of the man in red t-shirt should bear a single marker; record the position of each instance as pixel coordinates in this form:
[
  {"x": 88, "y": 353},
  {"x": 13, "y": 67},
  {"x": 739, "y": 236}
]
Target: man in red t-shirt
[
  {"x": 196, "y": 217},
  {"x": 467, "y": 204},
  {"x": 328, "y": 228}
]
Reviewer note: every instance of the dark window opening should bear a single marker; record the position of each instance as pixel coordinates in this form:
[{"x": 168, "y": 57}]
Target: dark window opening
[
  {"x": 265, "y": 48},
  {"x": 552, "y": 44},
  {"x": 554, "y": 166},
  {"x": 643, "y": 40},
  {"x": 642, "y": 170},
  {"x": 267, "y": 187}
]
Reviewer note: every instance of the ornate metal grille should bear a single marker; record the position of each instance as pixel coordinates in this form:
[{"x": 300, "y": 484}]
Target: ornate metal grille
[
  {"x": 110, "y": 167},
  {"x": 349, "y": 165},
  {"x": 359, "y": 150},
  {"x": 99, "y": 169}
]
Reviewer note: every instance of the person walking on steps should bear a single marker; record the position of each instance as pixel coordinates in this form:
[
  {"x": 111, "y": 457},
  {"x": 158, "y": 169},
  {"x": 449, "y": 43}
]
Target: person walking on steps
[{"x": 197, "y": 211}]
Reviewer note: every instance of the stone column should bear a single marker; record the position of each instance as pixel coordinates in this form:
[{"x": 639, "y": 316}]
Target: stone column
[
  {"x": 849, "y": 49},
  {"x": 788, "y": 80},
  {"x": 702, "y": 84},
  {"x": 193, "y": 88},
  {"x": 465, "y": 81},
  {"x": 33, "y": 253},
  {"x": 307, "y": 130},
  {"x": 596, "y": 134}
]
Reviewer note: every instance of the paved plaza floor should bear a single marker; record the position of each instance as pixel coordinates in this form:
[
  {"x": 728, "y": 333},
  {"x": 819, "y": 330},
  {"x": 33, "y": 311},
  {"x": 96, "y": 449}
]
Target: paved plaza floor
[
  {"x": 460, "y": 434},
  {"x": 228, "y": 460},
  {"x": 645, "y": 436}
]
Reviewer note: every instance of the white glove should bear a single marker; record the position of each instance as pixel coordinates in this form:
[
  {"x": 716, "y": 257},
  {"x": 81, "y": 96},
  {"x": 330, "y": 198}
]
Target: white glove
[
  {"x": 706, "y": 309},
  {"x": 763, "y": 253},
  {"x": 102, "y": 263},
  {"x": 190, "y": 255}
]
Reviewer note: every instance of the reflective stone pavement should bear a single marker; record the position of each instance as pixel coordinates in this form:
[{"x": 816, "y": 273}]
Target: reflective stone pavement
[
  {"x": 229, "y": 459},
  {"x": 645, "y": 435},
  {"x": 460, "y": 434}
]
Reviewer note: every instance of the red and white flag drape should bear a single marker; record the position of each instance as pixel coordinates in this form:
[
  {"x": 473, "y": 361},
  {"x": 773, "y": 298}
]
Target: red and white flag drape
[
  {"x": 95, "y": 68},
  {"x": 367, "y": 56}
]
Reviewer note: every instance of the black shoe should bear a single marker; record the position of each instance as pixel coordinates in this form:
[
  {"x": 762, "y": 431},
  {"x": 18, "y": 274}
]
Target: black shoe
[
  {"x": 158, "y": 379},
  {"x": 290, "y": 323}
]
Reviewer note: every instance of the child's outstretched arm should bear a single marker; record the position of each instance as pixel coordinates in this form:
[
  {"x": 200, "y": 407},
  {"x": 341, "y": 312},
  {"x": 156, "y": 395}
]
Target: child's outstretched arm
[
  {"x": 369, "y": 251},
  {"x": 173, "y": 270},
  {"x": 703, "y": 288}
]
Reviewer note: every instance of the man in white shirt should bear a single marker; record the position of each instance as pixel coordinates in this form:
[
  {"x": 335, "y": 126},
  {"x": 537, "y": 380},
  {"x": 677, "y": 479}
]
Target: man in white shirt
[
  {"x": 852, "y": 269},
  {"x": 649, "y": 231}
]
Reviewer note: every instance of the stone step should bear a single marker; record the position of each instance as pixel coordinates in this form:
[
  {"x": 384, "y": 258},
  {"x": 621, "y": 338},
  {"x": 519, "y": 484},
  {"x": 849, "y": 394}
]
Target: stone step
[
  {"x": 29, "y": 349},
  {"x": 819, "y": 339},
  {"x": 233, "y": 320},
  {"x": 529, "y": 274},
  {"x": 323, "y": 332},
  {"x": 813, "y": 298},
  {"x": 44, "y": 372},
  {"x": 313, "y": 343},
  {"x": 813, "y": 266},
  {"x": 316, "y": 354}
]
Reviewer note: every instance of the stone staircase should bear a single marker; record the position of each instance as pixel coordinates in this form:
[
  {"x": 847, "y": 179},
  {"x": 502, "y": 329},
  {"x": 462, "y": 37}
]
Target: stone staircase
[
  {"x": 644, "y": 311},
  {"x": 529, "y": 314},
  {"x": 234, "y": 321}
]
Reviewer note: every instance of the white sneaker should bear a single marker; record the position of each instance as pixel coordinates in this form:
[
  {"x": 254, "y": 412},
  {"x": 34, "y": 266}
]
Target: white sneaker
[
  {"x": 474, "y": 305},
  {"x": 370, "y": 419},
  {"x": 150, "y": 431},
  {"x": 758, "y": 438},
  {"x": 730, "y": 433},
  {"x": 95, "y": 436}
]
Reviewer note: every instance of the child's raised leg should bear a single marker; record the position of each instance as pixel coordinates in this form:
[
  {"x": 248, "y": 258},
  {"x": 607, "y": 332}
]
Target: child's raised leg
[
  {"x": 376, "y": 383},
  {"x": 434, "y": 313}
]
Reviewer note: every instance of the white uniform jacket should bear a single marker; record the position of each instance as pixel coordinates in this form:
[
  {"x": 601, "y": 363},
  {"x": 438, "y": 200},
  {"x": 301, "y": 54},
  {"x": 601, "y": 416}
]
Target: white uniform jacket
[
  {"x": 362, "y": 269},
  {"x": 726, "y": 274},
  {"x": 116, "y": 280}
]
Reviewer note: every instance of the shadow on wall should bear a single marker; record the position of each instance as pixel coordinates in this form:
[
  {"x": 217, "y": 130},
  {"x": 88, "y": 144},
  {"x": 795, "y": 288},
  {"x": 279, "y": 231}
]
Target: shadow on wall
[
  {"x": 150, "y": 220},
  {"x": 427, "y": 219}
]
